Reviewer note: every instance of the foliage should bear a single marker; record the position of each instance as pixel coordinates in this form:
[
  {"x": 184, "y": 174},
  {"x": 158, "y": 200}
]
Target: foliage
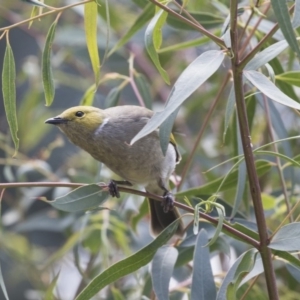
[{"x": 213, "y": 75}]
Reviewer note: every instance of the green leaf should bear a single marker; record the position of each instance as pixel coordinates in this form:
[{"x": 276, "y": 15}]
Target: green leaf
[
  {"x": 89, "y": 95},
  {"x": 82, "y": 198},
  {"x": 262, "y": 83},
  {"x": 112, "y": 97},
  {"x": 262, "y": 167},
  {"x": 296, "y": 19},
  {"x": 268, "y": 201},
  {"x": 46, "y": 66},
  {"x": 230, "y": 109},
  {"x": 144, "y": 89},
  {"x": 90, "y": 26},
  {"x": 287, "y": 238},
  {"x": 203, "y": 285},
  {"x": 142, "y": 19},
  {"x": 2, "y": 285},
  {"x": 9, "y": 94},
  {"x": 162, "y": 268},
  {"x": 283, "y": 18},
  {"x": 153, "y": 39},
  {"x": 242, "y": 266},
  {"x": 288, "y": 257},
  {"x": 142, "y": 212},
  {"x": 50, "y": 289},
  {"x": 221, "y": 214},
  {"x": 190, "y": 79},
  {"x": 292, "y": 77},
  {"x": 129, "y": 264}
]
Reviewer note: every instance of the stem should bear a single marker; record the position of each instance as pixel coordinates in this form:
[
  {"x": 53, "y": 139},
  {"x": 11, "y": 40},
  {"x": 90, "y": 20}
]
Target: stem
[
  {"x": 237, "y": 70},
  {"x": 226, "y": 227},
  {"x": 201, "y": 29},
  {"x": 200, "y": 134}
]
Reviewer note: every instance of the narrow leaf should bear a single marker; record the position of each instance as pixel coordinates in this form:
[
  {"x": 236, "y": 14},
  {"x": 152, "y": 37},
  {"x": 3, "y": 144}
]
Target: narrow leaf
[
  {"x": 89, "y": 95},
  {"x": 80, "y": 199},
  {"x": 152, "y": 39},
  {"x": 46, "y": 66},
  {"x": 242, "y": 266},
  {"x": 287, "y": 238},
  {"x": 292, "y": 77},
  {"x": 9, "y": 94},
  {"x": 190, "y": 79},
  {"x": 283, "y": 17},
  {"x": 266, "y": 55},
  {"x": 221, "y": 214},
  {"x": 144, "y": 89},
  {"x": 90, "y": 26},
  {"x": 203, "y": 285},
  {"x": 128, "y": 265},
  {"x": 49, "y": 293},
  {"x": 162, "y": 268},
  {"x": 112, "y": 97},
  {"x": 262, "y": 83},
  {"x": 296, "y": 19},
  {"x": 229, "y": 111}
]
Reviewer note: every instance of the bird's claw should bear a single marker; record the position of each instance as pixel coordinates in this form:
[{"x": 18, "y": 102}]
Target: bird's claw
[
  {"x": 113, "y": 189},
  {"x": 168, "y": 202}
]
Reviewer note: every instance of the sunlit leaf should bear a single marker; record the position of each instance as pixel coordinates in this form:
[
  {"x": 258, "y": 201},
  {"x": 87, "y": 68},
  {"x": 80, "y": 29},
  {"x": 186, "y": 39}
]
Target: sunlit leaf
[
  {"x": 9, "y": 94},
  {"x": 46, "y": 66}
]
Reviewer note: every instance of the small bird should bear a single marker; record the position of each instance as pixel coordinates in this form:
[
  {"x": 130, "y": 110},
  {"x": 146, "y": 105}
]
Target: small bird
[{"x": 106, "y": 136}]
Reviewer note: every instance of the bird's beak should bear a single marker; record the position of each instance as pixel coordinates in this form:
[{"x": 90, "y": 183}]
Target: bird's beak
[{"x": 56, "y": 121}]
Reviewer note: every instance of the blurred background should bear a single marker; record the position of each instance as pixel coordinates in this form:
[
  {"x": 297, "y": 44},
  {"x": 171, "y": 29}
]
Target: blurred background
[{"x": 38, "y": 243}]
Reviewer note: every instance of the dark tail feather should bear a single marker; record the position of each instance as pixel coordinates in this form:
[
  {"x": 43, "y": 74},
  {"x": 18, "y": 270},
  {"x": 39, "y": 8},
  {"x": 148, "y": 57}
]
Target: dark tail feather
[{"x": 160, "y": 220}]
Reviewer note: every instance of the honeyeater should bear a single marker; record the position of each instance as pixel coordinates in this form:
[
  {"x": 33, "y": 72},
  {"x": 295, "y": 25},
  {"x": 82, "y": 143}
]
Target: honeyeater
[{"x": 106, "y": 136}]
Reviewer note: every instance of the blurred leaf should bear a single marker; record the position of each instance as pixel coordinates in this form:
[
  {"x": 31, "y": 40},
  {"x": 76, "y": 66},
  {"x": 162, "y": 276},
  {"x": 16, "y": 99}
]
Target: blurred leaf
[
  {"x": 143, "y": 211},
  {"x": 268, "y": 201},
  {"x": 2, "y": 285},
  {"x": 9, "y": 94},
  {"x": 241, "y": 267},
  {"x": 262, "y": 83},
  {"x": 295, "y": 272},
  {"x": 292, "y": 77},
  {"x": 203, "y": 285},
  {"x": 296, "y": 19},
  {"x": 266, "y": 55},
  {"x": 283, "y": 18},
  {"x": 144, "y": 89},
  {"x": 50, "y": 289},
  {"x": 211, "y": 187},
  {"x": 142, "y": 19},
  {"x": 153, "y": 39},
  {"x": 288, "y": 257},
  {"x": 113, "y": 97},
  {"x": 80, "y": 199},
  {"x": 34, "y": 12},
  {"x": 190, "y": 79},
  {"x": 162, "y": 269},
  {"x": 46, "y": 66},
  {"x": 207, "y": 20},
  {"x": 287, "y": 238},
  {"x": 89, "y": 95},
  {"x": 129, "y": 264},
  {"x": 230, "y": 109},
  {"x": 90, "y": 26}
]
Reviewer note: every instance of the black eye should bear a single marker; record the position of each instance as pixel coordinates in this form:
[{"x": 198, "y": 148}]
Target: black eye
[{"x": 79, "y": 114}]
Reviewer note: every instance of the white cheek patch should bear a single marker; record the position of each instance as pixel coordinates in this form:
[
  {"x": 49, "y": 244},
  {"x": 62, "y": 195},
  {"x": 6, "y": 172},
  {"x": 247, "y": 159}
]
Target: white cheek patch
[{"x": 100, "y": 128}]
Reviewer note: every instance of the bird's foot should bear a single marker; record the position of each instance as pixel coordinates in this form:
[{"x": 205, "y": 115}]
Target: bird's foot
[
  {"x": 168, "y": 202},
  {"x": 113, "y": 189}
]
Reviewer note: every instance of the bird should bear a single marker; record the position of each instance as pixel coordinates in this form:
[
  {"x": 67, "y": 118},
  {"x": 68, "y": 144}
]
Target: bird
[{"x": 106, "y": 135}]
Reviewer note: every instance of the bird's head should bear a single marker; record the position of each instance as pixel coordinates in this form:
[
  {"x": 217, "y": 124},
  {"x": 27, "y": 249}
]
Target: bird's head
[{"x": 79, "y": 117}]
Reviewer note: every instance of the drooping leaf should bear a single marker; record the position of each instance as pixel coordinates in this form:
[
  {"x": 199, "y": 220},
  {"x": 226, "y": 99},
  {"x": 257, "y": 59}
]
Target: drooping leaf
[
  {"x": 129, "y": 264},
  {"x": 162, "y": 267},
  {"x": 287, "y": 238},
  {"x": 80, "y": 199},
  {"x": 48, "y": 82},
  {"x": 203, "y": 285},
  {"x": 90, "y": 26},
  {"x": 9, "y": 94},
  {"x": 283, "y": 18},
  {"x": 190, "y": 79},
  {"x": 262, "y": 83},
  {"x": 153, "y": 40}
]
